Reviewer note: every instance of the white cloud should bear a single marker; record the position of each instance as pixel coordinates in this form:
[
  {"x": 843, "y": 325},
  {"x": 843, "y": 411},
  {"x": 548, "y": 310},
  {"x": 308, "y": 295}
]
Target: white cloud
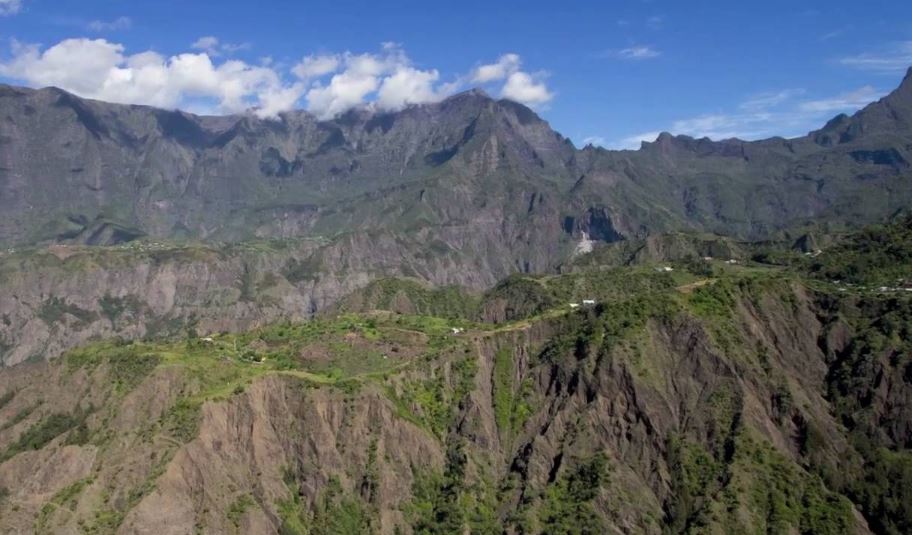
[
  {"x": 597, "y": 141},
  {"x": 344, "y": 92},
  {"x": 506, "y": 65},
  {"x": 316, "y": 66},
  {"x": 276, "y": 100},
  {"x": 328, "y": 84},
  {"x": 120, "y": 23},
  {"x": 212, "y": 46},
  {"x": 893, "y": 59},
  {"x": 638, "y": 52},
  {"x": 387, "y": 80},
  {"x": 763, "y": 116},
  {"x": 408, "y": 86},
  {"x": 10, "y": 7},
  {"x": 852, "y": 100},
  {"x": 765, "y": 101},
  {"x": 522, "y": 87},
  {"x": 206, "y": 43},
  {"x": 96, "y": 68}
]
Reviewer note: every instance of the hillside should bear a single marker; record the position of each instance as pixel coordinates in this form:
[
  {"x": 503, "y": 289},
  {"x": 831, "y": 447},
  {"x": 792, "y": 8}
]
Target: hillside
[{"x": 717, "y": 399}]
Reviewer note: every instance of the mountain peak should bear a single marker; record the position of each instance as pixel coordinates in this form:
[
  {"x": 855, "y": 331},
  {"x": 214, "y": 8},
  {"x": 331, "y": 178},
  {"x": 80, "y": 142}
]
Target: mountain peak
[{"x": 905, "y": 86}]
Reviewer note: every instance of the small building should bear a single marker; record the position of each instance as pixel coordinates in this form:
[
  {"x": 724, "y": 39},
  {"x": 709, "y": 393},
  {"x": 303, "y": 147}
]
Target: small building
[
  {"x": 588, "y": 302},
  {"x": 574, "y": 305}
]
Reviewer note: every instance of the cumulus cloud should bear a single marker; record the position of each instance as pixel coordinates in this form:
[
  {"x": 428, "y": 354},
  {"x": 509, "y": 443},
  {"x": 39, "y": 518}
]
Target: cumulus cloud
[
  {"x": 316, "y": 66},
  {"x": 408, "y": 86},
  {"x": 521, "y": 86},
  {"x": 10, "y": 7},
  {"x": 386, "y": 80},
  {"x": 506, "y": 65},
  {"x": 327, "y": 84},
  {"x": 97, "y": 68},
  {"x": 120, "y": 23}
]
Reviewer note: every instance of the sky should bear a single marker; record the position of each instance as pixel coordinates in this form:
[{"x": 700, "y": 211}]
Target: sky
[{"x": 610, "y": 73}]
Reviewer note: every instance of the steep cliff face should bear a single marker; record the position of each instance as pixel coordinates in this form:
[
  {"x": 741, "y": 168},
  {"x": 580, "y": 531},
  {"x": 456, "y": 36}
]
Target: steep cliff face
[{"x": 702, "y": 406}]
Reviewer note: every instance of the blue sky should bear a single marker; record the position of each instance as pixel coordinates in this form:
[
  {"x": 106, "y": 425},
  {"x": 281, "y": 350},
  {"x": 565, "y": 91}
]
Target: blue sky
[{"x": 606, "y": 72}]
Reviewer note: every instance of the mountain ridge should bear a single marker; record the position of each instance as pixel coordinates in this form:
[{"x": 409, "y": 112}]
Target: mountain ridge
[{"x": 172, "y": 174}]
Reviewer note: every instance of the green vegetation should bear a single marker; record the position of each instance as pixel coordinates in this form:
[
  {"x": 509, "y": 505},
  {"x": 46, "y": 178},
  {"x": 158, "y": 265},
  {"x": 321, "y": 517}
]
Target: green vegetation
[
  {"x": 238, "y": 508},
  {"x": 881, "y": 348},
  {"x": 446, "y": 503},
  {"x": 40, "y": 434},
  {"x": 877, "y": 255},
  {"x": 181, "y": 422},
  {"x": 54, "y": 309},
  {"x": 115, "y": 307},
  {"x": 568, "y": 507},
  {"x": 335, "y": 512},
  {"x": 432, "y": 403},
  {"x": 503, "y": 389},
  {"x": 127, "y": 367},
  {"x": 66, "y": 498},
  {"x": 884, "y": 488},
  {"x": 755, "y": 482},
  {"x": 511, "y": 404},
  {"x": 412, "y": 297}
]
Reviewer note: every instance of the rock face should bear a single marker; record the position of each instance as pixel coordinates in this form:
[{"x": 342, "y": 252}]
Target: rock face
[{"x": 721, "y": 410}]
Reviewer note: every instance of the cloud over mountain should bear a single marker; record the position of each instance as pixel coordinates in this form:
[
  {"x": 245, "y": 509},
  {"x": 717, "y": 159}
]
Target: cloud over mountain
[{"x": 205, "y": 81}]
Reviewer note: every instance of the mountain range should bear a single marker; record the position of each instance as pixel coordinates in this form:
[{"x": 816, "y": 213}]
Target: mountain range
[{"x": 469, "y": 168}]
